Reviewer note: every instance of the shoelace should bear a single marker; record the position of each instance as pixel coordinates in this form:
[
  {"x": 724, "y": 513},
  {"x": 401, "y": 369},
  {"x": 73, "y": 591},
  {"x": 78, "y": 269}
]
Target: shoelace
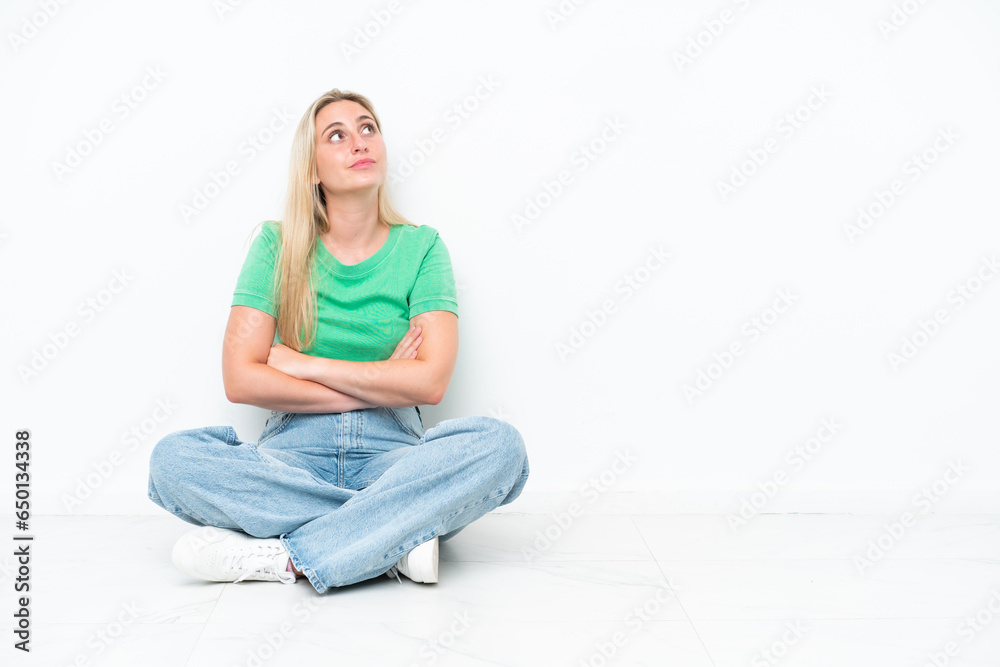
[
  {"x": 259, "y": 559},
  {"x": 392, "y": 572}
]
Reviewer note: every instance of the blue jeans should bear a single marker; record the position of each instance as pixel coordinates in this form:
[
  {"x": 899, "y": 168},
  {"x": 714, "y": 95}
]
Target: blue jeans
[{"x": 349, "y": 493}]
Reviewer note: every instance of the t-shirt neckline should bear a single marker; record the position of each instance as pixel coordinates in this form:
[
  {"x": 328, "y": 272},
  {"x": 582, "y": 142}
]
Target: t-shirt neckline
[{"x": 364, "y": 266}]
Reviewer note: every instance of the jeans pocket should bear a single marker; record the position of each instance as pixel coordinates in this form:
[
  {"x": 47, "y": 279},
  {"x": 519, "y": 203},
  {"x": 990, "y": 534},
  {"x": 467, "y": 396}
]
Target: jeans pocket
[
  {"x": 275, "y": 424},
  {"x": 408, "y": 420}
]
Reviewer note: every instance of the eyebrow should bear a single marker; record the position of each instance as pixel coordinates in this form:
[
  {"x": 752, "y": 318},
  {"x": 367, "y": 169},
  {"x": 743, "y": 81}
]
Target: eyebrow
[{"x": 360, "y": 118}]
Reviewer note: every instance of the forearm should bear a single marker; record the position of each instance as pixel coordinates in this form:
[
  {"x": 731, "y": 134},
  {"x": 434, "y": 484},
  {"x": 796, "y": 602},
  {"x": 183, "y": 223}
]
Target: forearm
[
  {"x": 397, "y": 383},
  {"x": 266, "y": 387}
]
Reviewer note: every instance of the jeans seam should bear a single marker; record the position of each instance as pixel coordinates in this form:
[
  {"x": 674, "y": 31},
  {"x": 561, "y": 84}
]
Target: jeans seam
[
  {"x": 435, "y": 532},
  {"x": 341, "y": 465},
  {"x": 252, "y": 447},
  {"x": 303, "y": 568},
  {"x": 476, "y": 504}
]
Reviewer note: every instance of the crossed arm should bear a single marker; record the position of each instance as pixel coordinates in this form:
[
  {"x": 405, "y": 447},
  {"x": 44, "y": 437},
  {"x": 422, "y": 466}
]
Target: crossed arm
[{"x": 279, "y": 378}]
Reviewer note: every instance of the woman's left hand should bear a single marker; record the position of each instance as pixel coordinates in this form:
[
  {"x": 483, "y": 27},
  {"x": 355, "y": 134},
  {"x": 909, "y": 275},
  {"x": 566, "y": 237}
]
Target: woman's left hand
[{"x": 288, "y": 361}]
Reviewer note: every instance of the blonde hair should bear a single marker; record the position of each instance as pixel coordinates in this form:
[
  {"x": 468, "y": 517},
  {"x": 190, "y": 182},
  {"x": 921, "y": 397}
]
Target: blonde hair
[{"x": 304, "y": 220}]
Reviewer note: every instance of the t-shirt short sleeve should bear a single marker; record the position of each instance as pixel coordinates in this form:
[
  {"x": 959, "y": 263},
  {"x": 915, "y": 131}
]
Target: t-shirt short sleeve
[
  {"x": 255, "y": 285},
  {"x": 434, "y": 288}
]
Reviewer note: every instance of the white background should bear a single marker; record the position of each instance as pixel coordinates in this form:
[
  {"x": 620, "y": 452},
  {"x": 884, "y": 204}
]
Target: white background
[{"x": 525, "y": 289}]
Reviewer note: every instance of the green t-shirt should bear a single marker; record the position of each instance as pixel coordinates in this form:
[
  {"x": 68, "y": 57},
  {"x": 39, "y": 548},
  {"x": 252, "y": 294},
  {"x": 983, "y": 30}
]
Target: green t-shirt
[{"x": 364, "y": 309}]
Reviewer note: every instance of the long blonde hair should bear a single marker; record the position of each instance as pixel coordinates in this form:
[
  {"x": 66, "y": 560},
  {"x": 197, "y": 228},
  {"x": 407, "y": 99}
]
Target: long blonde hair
[{"x": 304, "y": 220}]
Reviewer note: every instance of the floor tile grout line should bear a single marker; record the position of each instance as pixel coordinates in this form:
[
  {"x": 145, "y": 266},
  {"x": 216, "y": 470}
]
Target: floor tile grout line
[
  {"x": 666, "y": 578},
  {"x": 204, "y": 626}
]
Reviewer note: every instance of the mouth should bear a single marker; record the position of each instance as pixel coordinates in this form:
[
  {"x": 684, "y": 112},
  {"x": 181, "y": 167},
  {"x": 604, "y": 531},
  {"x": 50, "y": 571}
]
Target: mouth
[{"x": 363, "y": 163}]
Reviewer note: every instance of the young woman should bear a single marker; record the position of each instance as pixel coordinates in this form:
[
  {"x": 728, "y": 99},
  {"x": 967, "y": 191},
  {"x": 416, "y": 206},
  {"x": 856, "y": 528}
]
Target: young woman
[{"x": 344, "y": 319}]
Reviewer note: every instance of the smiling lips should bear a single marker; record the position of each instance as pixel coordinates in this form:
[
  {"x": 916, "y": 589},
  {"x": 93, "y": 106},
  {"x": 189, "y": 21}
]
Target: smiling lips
[{"x": 362, "y": 163}]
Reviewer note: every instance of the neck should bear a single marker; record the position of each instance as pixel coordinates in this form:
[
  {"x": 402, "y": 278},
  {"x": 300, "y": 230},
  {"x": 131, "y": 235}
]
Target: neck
[{"x": 353, "y": 220}]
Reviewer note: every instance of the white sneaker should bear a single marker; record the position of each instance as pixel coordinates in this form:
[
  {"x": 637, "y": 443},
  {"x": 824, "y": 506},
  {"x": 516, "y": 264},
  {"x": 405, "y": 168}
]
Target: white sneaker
[
  {"x": 420, "y": 564},
  {"x": 217, "y": 554}
]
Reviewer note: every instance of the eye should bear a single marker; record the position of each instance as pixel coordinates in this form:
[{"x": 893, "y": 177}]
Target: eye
[{"x": 371, "y": 125}]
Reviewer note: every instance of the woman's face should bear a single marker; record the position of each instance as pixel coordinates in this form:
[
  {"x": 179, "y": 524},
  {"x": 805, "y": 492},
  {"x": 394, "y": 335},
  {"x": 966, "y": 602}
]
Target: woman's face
[{"x": 345, "y": 134}]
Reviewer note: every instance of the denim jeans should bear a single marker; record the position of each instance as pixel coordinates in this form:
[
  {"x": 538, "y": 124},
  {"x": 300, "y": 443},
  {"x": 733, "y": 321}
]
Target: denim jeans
[{"x": 349, "y": 493}]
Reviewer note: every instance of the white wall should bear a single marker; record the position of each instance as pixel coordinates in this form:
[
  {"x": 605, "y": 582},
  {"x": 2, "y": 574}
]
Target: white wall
[{"x": 879, "y": 97}]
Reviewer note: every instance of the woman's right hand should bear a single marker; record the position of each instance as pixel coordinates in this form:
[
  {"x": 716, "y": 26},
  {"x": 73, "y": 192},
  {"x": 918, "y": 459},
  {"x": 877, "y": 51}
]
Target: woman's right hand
[{"x": 407, "y": 347}]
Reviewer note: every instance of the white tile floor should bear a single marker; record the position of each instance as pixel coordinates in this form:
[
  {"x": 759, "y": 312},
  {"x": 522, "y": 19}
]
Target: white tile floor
[{"x": 643, "y": 589}]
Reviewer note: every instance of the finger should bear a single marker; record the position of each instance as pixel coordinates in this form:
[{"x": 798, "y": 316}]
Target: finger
[
  {"x": 415, "y": 340},
  {"x": 406, "y": 345},
  {"x": 405, "y": 339}
]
